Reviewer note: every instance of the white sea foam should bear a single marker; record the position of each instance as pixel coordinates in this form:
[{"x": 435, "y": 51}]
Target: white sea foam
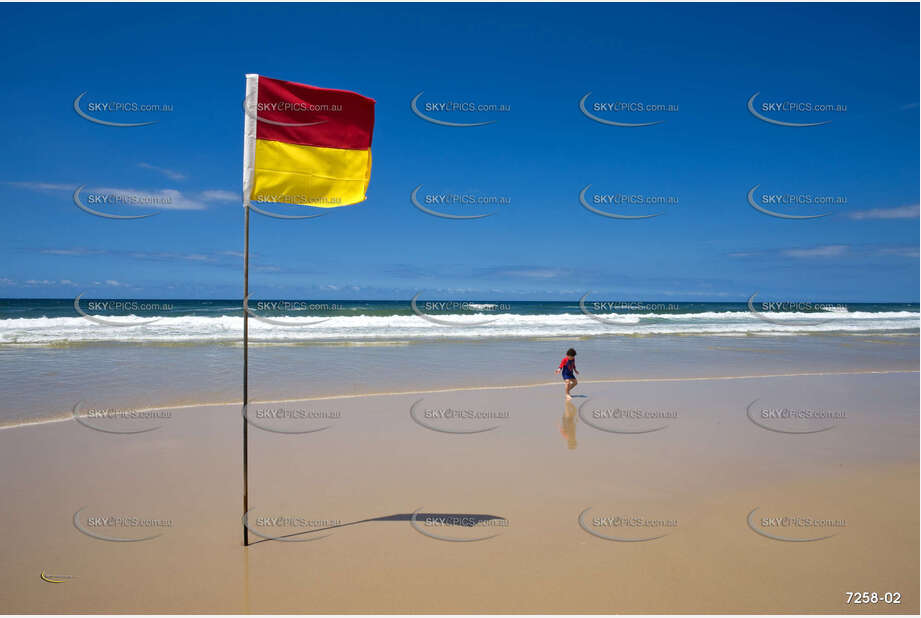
[{"x": 364, "y": 328}]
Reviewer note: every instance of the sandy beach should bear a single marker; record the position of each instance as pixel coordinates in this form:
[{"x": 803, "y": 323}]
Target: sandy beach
[{"x": 482, "y": 500}]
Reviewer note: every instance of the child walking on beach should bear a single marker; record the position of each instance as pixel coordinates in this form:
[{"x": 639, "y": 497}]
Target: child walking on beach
[{"x": 568, "y": 369}]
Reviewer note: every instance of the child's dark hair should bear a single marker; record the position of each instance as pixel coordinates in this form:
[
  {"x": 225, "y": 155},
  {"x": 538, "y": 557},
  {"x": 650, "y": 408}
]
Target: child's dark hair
[{"x": 571, "y": 352}]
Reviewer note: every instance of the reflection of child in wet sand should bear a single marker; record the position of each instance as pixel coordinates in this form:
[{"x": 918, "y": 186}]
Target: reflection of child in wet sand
[
  {"x": 568, "y": 369},
  {"x": 568, "y": 426}
]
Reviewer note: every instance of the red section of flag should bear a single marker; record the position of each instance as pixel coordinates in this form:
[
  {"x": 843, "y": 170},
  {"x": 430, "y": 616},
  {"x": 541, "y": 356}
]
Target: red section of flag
[{"x": 327, "y": 118}]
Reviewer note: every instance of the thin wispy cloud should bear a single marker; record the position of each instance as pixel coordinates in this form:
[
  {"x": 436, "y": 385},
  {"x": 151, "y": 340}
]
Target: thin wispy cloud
[
  {"x": 695, "y": 293},
  {"x": 824, "y": 251},
  {"x": 46, "y": 282},
  {"x": 821, "y": 251},
  {"x": 42, "y": 186},
  {"x": 219, "y": 258},
  {"x": 172, "y": 256},
  {"x": 911, "y": 252},
  {"x": 164, "y": 199},
  {"x": 851, "y": 252},
  {"x": 899, "y": 212},
  {"x": 225, "y": 259},
  {"x": 532, "y": 273},
  {"x": 160, "y": 199},
  {"x": 219, "y": 195},
  {"x": 108, "y": 283},
  {"x": 171, "y": 174},
  {"x": 71, "y": 251}
]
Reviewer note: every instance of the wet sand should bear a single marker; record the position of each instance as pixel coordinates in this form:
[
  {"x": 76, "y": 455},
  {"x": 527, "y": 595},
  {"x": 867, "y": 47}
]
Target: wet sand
[
  {"x": 686, "y": 461},
  {"x": 49, "y": 381}
]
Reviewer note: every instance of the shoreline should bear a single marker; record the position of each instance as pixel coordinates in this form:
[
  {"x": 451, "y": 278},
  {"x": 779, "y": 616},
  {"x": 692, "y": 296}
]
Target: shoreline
[
  {"x": 129, "y": 377},
  {"x": 68, "y": 417}
]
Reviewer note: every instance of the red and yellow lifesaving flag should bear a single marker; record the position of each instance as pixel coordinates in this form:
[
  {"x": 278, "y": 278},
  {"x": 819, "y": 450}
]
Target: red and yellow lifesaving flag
[{"x": 305, "y": 145}]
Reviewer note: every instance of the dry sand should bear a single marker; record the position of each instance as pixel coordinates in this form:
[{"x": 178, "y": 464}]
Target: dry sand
[{"x": 704, "y": 469}]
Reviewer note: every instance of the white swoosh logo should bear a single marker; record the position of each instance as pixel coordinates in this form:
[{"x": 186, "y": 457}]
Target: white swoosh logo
[
  {"x": 610, "y": 215},
  {"x": 751, "y": 202},
  {"x": 412, "y": 415},
  {"x": 245, "y": 410},
  {"x": 83, "y": 114},
  {"x": 584, "y": 310},
  {"x": 282, "y": 538},
  {"x": 780, "y": 538},
  {"x": 253, "y": 113},
  {"x": 625, "y": 432},
  {"x": 77, "y": 417},
  {"x": 412, "y": 522},
  {"x": 748, "y": 413},
  {"x": 111, "y": 539},
  {"x": 415, "y": 202},
  {"x": 93, "y": 318},
  {"x": 751, "y": 108},
  {"x": 417, "y": 311},
  {"x": 612, "y": 122},
  {"x": 444, "y": 123},
  {"x": 585, "y": 527},
  {"x": 256, "y": 316},
  {"x": 86, "y": 208},
  {"x": 763, "y": 317}
]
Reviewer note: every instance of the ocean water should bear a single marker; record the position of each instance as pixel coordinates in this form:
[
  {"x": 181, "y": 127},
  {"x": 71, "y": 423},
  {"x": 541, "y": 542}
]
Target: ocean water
[
  {"x": 66, "y": 322},
  {"x": 52, "y": 358}
]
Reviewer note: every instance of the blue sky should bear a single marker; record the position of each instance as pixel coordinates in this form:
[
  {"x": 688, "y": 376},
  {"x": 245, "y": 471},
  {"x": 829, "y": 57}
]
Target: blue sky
[{"x": 539, "y": 61}]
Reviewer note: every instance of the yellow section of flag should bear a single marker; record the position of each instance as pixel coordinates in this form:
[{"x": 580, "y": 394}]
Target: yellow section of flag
[{"x": 309, "y": 175}]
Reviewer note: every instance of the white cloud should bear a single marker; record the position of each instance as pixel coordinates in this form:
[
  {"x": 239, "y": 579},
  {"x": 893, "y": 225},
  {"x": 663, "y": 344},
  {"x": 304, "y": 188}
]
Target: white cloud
[
  {"x": 159, "y": 199},
  {"x": 42, "y": 186},
  {"x": 71, "y": 251},
  {"x": 533, "y": 273},
  {"x": 900, "y": 212},
  {"x": 164, "y": 199},
  {"x": 694, "y": 293},
  {"x": 215, "y": 257},
  {"x": 900, "y": 251},
  {"x": 219, "y": 195},
  {"x": 174, "y": 175},
  {"x": 68, "y": 282},
  {"x": 820, "y": 252}
]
